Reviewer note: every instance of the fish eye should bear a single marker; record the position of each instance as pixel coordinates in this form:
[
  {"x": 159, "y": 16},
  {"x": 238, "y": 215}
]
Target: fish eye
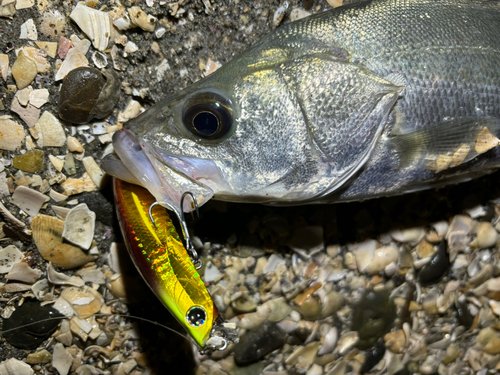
[
  {"x": 208, "y": 115},
  {"x": 196, "y": 316}
]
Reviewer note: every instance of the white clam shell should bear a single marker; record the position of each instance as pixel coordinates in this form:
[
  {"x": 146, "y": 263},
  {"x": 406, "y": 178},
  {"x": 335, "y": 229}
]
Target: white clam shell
[{"x": 94, "y": 23}]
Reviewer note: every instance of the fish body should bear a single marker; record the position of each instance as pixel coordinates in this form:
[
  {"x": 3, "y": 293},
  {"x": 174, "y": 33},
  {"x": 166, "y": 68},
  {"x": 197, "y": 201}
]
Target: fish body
[
  {"x": 377, "y": 99},
  {"x": 163, "y": 261}
]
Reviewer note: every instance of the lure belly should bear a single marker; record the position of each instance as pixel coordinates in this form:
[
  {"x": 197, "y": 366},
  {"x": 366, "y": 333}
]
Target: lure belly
[{"x": 161, "y": 258}]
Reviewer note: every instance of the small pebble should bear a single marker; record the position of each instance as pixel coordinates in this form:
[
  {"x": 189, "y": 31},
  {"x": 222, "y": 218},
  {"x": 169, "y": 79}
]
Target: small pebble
[
  {"x": 87, "y": 93},
  {"x": 487, "y": 236},
  {"x": 437, "y": 267},
  {"x": 39, "y": 357},
  {"x": 255, "y": 345},
  {"x": 373, "y": 356},
  {"x": 373, "y": 317},
  {"x": 31, "y": 336}
]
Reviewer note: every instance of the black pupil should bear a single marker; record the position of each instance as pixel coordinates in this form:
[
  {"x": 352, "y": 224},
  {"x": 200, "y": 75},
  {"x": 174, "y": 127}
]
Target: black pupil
[
  {"x": 197, "y": 316},
  {"x": 206, "y": 123}
]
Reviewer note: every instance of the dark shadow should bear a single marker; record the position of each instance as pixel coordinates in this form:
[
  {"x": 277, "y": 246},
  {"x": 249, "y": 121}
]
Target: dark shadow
[{"x": 350, "y": 222}]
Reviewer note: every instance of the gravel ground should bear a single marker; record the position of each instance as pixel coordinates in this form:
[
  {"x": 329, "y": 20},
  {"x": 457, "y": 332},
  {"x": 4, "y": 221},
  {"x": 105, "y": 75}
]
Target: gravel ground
[{"x": 293, "y": 279}]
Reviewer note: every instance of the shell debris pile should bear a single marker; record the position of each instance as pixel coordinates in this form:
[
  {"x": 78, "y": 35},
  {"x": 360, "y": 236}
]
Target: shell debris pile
[{"x": 398, "y": 286}]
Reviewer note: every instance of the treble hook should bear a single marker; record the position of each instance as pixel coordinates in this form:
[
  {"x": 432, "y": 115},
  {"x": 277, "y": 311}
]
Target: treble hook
[
  {"x": 194, "y": 201},
  {"x": 151, "y": 214},
  {"x": 197, "y": 262}
]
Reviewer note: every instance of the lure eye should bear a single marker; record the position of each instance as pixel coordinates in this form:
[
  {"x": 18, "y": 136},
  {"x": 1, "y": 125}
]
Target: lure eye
[
  {"x": 208, "y": 115},
  {"x": 196, "y": 316}
]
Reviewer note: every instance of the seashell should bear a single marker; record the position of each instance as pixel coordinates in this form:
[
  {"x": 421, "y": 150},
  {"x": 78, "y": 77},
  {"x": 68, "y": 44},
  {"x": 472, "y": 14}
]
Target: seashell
[
  {"x": 50, "y": 130},
  {"x": 57, "y": 162},
  {"x": 395, "y": 341},
  {"x": 273, "y": 262},
  {"x": 41, "y": 290},
  {"x": 61, "y": 359},
  {"x": 74, "y": 144},
  {"x": 302, "y": 358},
  {"x": 47, "y": 234},
  {"x": 4, "y": 66},
  {"x": 39, "y": 97},
  {"x": 14, "y": 366},
  {"x": 347, "y": 342},
  {"x": 277, "y": 309},
  {"x": 9, "y": 256},
  {"x": 212, "y": 273},
  {"x": 95, "y": 172},
  {"x": 410, "y": 235},
  {"x": 329, "y": 342},
  {"x": 117, "y": 286},
  {"x": 61, "y": 212},
  {"x": 94, "y": 23},
  {"x": 74, "y": 59},
  {"x": 74, "y": 186},
  {"x": 85, "y": 301},
  {"x": 252, "y": 321},
  {"x": 79, "y": 226},
  {"x": 24, "y": 273},
  {"x": 28, "y": 30},
  {"x": 60, "y": 278},
  {"x": 100, "y": 60},
  {"x": 139, "y": 18},
  {"x": 57, "y": 197},
  {"x": 123, "y": 23}
]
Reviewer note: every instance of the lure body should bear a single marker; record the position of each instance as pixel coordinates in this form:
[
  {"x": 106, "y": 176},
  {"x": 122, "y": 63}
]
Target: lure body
[{"x": 162, "y": 260}]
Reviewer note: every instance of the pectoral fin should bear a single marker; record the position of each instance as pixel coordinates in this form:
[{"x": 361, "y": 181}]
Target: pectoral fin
[{"x": 449, "y": 144}]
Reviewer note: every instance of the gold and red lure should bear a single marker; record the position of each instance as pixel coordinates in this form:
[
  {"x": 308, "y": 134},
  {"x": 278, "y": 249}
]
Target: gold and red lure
[{"x": 163, "y": 261}]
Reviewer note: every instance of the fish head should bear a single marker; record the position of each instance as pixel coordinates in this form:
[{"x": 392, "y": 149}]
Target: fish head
[{"x": 269, "y": 126}]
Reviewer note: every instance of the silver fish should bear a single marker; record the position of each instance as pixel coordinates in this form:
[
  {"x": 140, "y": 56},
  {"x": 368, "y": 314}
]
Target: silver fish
[{"x": 382, "y": 98}]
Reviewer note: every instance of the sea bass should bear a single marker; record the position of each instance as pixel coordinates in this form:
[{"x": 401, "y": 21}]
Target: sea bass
[{"x": 382, "y": 98}]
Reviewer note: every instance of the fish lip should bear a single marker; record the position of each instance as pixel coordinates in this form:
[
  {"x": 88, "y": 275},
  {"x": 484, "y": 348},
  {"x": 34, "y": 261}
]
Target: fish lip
[
  {"x": 151, "y": 170},
  {"x": 197, "y": 170}
]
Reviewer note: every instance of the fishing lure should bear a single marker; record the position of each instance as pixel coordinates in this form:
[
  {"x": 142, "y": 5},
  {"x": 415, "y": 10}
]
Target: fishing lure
[{"x": 163, "y": 261}]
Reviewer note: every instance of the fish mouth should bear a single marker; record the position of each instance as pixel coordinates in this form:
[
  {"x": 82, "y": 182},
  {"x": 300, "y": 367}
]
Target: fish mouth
[{"x": 167, "y": 177}]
